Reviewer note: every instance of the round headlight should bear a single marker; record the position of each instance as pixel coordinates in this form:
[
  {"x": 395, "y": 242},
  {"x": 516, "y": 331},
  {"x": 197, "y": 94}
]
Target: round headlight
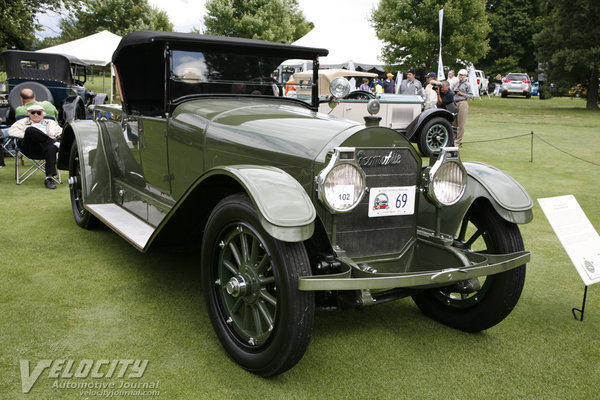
[
  {"x": 447, "y": 183},
  {"x": 339, "y": 87},
  {"x": 343, "y": 187}
]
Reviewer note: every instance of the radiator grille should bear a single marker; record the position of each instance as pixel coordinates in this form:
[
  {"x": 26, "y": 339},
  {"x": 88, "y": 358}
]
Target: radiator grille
[{"x": 361, "y": 236}]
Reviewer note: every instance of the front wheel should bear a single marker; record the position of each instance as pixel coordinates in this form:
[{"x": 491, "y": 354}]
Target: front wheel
[
  {"x": 436, "y": 133},
  {"x": 250, "y": 284},
  {"x": 83, "y": 217},
  {"x": 483, "y": 302}
]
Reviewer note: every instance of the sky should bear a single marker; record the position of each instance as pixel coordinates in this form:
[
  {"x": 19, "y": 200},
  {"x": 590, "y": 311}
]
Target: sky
[{"x": 188, "y": 14}]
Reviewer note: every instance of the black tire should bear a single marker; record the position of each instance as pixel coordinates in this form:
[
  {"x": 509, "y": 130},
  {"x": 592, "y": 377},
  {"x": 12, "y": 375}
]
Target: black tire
[
  {"x": 528, "y": 96},
  {"x": 504, "y": 94},
  {"x": 250, "y": 282},
  {"x": 480, "y": 309},
  {"x": 83, "y": 217},
  {"x": 434, "y": 135}
]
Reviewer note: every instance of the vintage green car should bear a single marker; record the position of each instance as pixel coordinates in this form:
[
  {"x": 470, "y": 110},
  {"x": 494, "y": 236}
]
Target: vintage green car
[{"x": 293, "y": 210}]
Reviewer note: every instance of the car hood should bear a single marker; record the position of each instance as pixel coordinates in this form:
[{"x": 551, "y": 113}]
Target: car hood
[{"x": 272, "y": 132}]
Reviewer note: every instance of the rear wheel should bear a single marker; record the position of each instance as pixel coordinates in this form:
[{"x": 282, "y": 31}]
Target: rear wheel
[
  {"x": 83, "y": 217},
  {"x": 250, "y": 283},
  {"x": 480, "y": 303},
  {"x": 434, "y": 135}
]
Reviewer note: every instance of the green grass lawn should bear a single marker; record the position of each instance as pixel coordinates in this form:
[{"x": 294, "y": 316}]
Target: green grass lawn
[{"x": 67, "y": 293}]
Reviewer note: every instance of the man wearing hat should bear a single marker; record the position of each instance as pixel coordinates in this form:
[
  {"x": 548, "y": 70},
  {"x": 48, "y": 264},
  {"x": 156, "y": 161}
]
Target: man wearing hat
[
  {"x": 462, "y": 93},
  {"x": 431, "y": 98},
  {"x": 410, "y": 85},
  {"x": 38, "y": 137},
  {"x": 389, "y": 85}
]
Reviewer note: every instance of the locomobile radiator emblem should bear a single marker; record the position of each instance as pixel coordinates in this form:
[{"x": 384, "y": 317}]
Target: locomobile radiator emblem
[{"x": 393, "y": 158}]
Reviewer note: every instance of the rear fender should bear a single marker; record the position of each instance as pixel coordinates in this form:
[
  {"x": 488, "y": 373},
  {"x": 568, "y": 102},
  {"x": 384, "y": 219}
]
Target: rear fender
[
  {"x": 484, "y": 182},
  {"x": 417, "y": 124}
]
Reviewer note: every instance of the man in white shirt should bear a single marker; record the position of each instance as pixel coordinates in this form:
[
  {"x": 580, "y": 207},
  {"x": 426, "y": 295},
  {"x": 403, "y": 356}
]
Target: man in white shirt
[
  {"x": 39, "y": 137},
  {"x": 431, "y": 97}
]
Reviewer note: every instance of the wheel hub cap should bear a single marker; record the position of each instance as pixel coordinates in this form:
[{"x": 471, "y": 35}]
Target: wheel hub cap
[{"x": 236, "y": 286}]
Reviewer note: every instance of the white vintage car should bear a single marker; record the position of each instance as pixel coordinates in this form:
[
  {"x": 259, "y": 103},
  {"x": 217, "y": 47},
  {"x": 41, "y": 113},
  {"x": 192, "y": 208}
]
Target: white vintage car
[{"x": 431, "y": 129}]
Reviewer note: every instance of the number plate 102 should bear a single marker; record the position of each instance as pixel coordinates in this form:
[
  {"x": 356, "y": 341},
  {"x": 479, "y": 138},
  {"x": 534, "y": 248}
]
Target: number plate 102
[{"x": 396, "y": 200}]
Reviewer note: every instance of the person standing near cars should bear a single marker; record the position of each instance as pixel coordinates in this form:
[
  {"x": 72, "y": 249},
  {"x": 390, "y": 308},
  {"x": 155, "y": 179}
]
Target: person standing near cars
[
  {"x": 431, "y": 97},
  {"x": 452, "y": 79},
  {"x": 365, "y": 85},
  {"x": 497, "y": 85},
  {"x": 389, "y": 85},
  {"x": 445, "y": 97},
  {"x": 410, "y": 85},
  {"x": 461, "y": 94}
]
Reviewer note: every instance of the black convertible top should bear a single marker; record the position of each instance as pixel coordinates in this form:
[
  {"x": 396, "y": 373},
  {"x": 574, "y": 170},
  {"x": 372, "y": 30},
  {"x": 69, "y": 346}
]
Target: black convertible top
[
  {"x": 40, "y": 66},
  {"x": 141, "y": 63},
  {"x": 191, "y": 41}
]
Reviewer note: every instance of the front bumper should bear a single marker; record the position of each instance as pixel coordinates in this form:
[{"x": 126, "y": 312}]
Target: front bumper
[{"x": 433, "y": 264}]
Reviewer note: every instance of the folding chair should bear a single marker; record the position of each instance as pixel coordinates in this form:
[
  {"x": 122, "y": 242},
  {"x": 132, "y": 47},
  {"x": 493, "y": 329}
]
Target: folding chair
[{"x": 36, "y": 165}]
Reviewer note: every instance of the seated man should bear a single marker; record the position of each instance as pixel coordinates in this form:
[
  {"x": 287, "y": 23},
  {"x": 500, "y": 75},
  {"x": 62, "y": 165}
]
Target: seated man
[
  {"x": 38, "y": 139},
  {"x": 28, "y": 99}
]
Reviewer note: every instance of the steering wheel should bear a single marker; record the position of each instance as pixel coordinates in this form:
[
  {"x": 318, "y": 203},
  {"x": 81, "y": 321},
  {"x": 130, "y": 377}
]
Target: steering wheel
[{"x": 360, "y": 95}]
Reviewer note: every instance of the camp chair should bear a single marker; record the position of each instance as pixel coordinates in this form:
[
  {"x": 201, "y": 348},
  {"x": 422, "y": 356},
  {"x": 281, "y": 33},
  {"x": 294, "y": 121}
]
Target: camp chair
[{"x": 32, "y": 165}]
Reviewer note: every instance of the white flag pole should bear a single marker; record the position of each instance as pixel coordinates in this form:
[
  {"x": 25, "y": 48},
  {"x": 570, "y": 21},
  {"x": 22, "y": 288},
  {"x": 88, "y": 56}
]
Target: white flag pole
[{"x": 440, "y": 74}]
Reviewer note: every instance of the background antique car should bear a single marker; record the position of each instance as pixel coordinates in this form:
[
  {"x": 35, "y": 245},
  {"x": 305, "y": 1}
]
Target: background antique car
[
  {"x": 282, "y": 199},
  {"x": 56, "y": 78},
  {"x": 431, "y": 129}
]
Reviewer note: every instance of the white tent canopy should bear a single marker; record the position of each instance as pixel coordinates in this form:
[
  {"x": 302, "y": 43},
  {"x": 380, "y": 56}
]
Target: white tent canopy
[{"x": 96, "y": 49}]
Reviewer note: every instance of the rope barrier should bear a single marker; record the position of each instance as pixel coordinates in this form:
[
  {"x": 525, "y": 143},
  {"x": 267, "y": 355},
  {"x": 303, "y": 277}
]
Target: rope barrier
[{"x": 538, "y": 138}]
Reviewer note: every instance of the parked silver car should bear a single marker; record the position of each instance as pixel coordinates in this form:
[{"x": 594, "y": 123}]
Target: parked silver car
[{"x": 516, "y": 83}]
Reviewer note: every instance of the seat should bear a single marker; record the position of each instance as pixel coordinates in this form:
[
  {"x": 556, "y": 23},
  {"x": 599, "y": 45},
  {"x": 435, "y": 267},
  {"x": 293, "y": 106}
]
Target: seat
[{"x": 29, "y": 165}]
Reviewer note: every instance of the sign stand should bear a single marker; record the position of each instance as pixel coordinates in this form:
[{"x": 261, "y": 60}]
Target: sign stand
[
  {"x": 574, "y": 309},
  {"x": 579, "y": 239}
]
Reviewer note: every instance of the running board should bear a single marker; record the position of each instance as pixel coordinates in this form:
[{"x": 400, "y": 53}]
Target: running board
[{"x": 130, "y": 227}]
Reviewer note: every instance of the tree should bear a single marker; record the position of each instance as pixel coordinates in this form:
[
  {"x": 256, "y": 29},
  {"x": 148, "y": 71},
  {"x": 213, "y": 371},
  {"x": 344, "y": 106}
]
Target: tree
[
  {"x": 19, "y": 20},
  {"x": 117, "y": 16},
  {"x": 274, "y": 20},
  {"x": 410, "y": 31},
  {"x": 513, "y": 24},
  {"x": 569, "y": 44}
]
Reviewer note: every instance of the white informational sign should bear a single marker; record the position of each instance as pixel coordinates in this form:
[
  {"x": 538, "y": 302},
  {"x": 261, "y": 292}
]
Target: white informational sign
[
  {"x": 388, "y": 201},
  {"x": 576, "y": 234}
]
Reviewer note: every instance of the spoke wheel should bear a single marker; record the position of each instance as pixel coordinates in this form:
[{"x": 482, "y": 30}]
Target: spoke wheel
[
  {"x": 250, "y": 283},
  {"x": 483, "y": 302},
  {"x": 83, "y": 218},
  {"x": 436, "y": 134},
  {"x": 246, "y": 283}
]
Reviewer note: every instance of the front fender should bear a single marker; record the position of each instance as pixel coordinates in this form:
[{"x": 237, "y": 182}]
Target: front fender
[
  {"x": 69, "y": 107},
  {"x": 510, "y": 200},
  {"x": 285, "y": 210},
  {"x": 415, "y": 126}
]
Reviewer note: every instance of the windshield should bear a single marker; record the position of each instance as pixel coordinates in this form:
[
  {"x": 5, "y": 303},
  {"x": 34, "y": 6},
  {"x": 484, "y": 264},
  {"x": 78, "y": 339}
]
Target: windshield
[{"x": 200, "y": 73}]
